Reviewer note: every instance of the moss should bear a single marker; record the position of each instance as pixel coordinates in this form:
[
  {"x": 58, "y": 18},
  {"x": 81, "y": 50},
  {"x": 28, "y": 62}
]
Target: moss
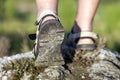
[{"x": 22, "y": 67}]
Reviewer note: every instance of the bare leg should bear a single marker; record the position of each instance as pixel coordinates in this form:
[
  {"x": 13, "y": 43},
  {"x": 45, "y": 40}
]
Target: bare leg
[
  {"x": 43, "y": 5},
  {"x": 84, "y": 19}
]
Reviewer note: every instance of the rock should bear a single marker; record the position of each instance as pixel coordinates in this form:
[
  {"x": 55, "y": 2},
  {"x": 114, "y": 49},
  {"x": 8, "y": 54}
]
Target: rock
[{"x": 100, "y": 64}]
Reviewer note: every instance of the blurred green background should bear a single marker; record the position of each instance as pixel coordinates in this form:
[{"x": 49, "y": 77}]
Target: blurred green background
[{"x": 17, "y": 19}]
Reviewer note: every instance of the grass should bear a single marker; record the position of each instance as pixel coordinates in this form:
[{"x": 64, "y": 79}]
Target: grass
[
  {"x": 19, "y": 68},
  {"x": 106, "y": 22}
]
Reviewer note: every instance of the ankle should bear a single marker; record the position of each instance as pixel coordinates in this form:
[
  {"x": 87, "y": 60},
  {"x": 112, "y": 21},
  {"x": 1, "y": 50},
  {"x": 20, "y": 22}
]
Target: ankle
[
  {"x": 48, "y": 18},
  {"x": 85, "y": 41},
  {"x": 79, "y": 27},
  {"x": 44, "y": 16}
]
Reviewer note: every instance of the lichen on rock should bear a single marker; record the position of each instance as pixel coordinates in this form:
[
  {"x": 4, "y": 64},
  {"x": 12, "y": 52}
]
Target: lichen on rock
[{"x": 100, "y": 64}]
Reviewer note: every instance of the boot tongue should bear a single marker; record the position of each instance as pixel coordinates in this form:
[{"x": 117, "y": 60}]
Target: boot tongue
[
  {"x": 32, "y": 36},
  {"x": 73, "y": 32}
]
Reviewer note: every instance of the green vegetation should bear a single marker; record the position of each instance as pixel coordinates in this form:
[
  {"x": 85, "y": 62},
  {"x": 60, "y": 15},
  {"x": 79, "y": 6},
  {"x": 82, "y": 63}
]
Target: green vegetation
[
  {"x": 107, "y": 23},
  {"x": 23, "y": 67},
  {"x": 17, "y": 21}
]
